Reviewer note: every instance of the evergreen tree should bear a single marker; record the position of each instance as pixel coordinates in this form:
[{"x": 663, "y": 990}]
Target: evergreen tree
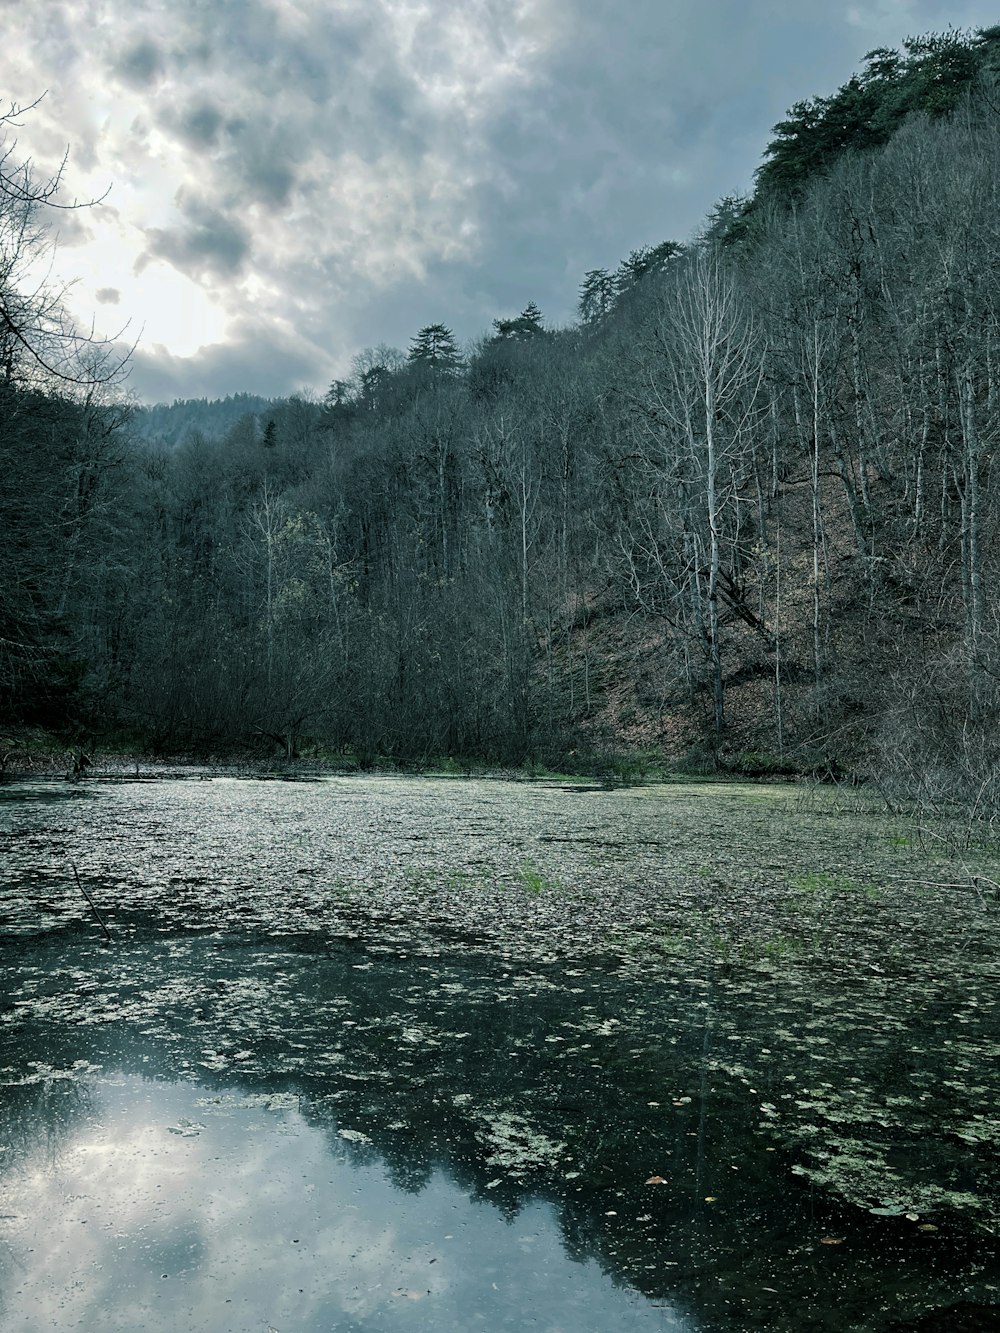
[
  {"x": 374, "y": 382},
  {"x": 728, "y": 223},
  {"x": 597, "y": 295},
  {"x": 929, "y": 76},
  {"x": 528, "y": 324},
  {"x": 644, "y": 262},
  {"x": 337, "y": 394},
  {"x": 434, "y": 348}
]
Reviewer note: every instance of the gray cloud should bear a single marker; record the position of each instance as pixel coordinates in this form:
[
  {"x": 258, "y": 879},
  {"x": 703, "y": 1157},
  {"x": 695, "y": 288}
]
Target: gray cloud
[
  {"x": 199, "y": 124},
  {"x": 208, "y": 243},
  {"x": 256, "y": 358},
  {"x": 108, "y": 295},
  {"x": 632, "y": 138},
  {"x": 139, "y": 64},
  {"x": 353, "y": 171},
  {"x": 250, "y": 160},
  {"x": 260, "y": 162},
  {"x": 75, "y": 228}
]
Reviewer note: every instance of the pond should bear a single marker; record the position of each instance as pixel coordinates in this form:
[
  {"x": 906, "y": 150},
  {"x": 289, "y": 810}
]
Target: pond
[{"x": 403, "y": 1053}]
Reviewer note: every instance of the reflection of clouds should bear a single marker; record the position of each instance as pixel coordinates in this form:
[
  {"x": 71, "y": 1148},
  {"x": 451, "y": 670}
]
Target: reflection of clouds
[
  {"x": 259, "y": 1219},
  {"x": 100, "y": 1221}
]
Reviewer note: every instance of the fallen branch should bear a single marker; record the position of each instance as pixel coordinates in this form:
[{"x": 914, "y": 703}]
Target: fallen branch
[{"x": 93, "y": 905}]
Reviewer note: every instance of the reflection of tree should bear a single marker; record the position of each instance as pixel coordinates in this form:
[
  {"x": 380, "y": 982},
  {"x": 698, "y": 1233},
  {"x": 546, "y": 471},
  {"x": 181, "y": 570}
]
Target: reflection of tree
[
  {"x": 406, "y": 1172},
  {"x": 421, "y": 1056},
  {"x": 594, "y": 1101},
  {"x": 38, "y": 1117}
]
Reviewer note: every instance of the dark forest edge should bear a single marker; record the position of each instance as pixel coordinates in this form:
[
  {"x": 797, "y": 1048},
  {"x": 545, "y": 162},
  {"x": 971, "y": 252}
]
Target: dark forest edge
[
  {"x": 31, "y": 753},
  {"x": 741, "y": 518}
]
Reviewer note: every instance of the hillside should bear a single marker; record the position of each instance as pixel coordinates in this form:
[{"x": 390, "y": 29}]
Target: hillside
[
  {"x": 166, "y": 425},
  {"x": 742, "y": 514}
]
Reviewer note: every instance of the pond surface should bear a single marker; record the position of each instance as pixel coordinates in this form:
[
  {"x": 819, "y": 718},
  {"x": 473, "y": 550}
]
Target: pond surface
[{"x": 380, "y": 1054}]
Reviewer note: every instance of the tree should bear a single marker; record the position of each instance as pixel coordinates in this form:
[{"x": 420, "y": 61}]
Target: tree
[
  {"x": 702, "y": 378},
  {"x": 526, "y": 325},
  {"x": 60, "y": 451},
  {"x": 597, "y": 296},
  {"x": 38, "y": 340},
  {"x": 869, "y": 108},
  {"x": 645, "y": 262},
  {"x": 728, "y": 222},
  {"x": 434, "y": 348}
]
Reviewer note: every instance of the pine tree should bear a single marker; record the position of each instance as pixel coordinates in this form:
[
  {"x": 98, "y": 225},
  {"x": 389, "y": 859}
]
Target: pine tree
[
  {"x": 528, "y": 324},
  {"x": 434, "y": 348},
  {"x": 597, "y": 295},
  {"x": 644, "y": 262}
]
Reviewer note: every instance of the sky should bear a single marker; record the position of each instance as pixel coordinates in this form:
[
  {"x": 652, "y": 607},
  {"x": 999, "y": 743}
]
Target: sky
[{"x": 291, "y": 181}]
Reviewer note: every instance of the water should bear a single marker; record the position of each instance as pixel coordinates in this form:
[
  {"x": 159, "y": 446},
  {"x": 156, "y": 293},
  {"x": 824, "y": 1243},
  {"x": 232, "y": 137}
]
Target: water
[
  {"x": 173, "y": 1205},
  {"x": 382, "y": 1054}
]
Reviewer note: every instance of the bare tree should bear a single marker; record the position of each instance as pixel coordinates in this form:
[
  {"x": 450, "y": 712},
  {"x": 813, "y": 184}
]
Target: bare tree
[
  {"x": 38, "y": 339},
  {"x": 701, "y": 380}
]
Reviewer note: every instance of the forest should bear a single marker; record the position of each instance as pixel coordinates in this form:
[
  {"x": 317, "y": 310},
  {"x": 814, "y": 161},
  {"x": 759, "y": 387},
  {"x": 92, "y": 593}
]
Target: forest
[{"x": 741, "y": 515}]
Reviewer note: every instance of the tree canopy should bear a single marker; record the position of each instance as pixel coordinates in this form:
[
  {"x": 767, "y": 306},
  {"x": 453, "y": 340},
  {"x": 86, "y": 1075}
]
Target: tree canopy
[
  {"x": 434, "y": 348},
  {"x": 928, "y": 74},
  {"x": 528, "y": 324}
]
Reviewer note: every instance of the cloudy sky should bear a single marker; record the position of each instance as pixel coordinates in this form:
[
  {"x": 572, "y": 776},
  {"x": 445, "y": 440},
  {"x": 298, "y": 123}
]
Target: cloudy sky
[{"x": 294, "y": 180}]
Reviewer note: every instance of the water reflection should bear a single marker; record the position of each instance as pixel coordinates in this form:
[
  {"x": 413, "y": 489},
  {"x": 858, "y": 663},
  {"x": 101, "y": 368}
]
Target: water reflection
[
  {"x": 176, "y": 1206},
  {"x": 561, "y": 1146},
  {"x": 306, "y": 1070}
]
